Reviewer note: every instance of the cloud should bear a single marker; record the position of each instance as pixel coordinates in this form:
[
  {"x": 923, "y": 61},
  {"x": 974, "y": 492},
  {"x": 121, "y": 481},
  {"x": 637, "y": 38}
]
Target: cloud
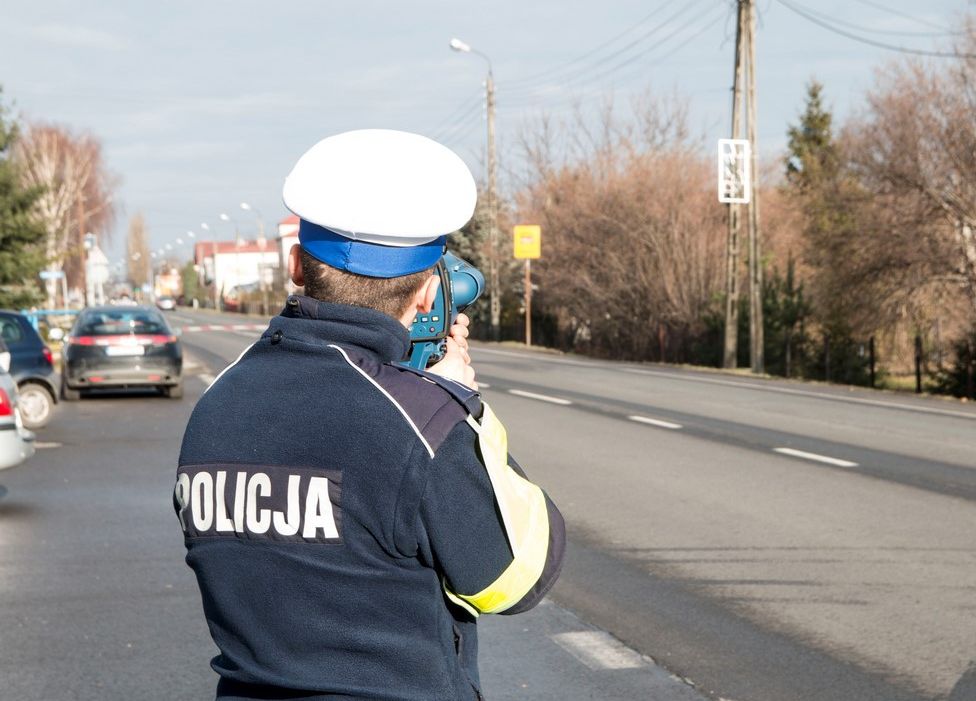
[{"x": 76, "y": 36}]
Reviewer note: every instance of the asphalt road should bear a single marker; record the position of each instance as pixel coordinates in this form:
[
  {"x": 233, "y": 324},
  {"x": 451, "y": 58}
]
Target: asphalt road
[
  {"x": 767, "y": 541},
  {"x": 97, "y": 604}
]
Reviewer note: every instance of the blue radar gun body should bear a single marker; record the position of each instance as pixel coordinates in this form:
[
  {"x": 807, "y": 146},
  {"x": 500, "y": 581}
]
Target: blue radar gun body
[{"x": 461, "y": 284}]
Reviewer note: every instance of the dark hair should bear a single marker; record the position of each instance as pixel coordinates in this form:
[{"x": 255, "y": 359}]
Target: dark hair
[{"x": 388, "y": 295}]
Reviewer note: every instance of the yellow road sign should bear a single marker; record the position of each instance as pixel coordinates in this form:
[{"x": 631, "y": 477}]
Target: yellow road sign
[{"x": 528, "y": 241}]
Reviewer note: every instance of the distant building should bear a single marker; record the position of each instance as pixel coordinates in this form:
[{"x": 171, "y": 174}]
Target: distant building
[
  {"x": 168, "y": 282},
  {"x": 231, "y": 264}
]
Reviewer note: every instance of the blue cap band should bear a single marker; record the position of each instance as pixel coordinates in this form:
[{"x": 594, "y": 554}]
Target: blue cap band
[{"x": 370, "y": 259}]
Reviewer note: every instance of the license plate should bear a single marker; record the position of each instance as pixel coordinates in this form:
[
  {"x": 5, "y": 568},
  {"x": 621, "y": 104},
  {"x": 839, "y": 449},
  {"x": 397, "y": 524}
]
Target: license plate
[{"x": 125, "y": 350}]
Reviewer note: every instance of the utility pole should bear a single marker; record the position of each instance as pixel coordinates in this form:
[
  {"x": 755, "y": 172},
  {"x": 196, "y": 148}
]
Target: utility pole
[
  {"x": 82, "y": 226},
  {"x": 756, "y": 352},
  {"x": 492, "y": 213},
  {"x": 744, "y": 105},
  {"x": 735, "y": 211}
]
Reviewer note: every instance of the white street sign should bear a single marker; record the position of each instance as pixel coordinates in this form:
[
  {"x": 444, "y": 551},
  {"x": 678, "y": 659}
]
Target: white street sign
[{"x": 734, "y": 185}]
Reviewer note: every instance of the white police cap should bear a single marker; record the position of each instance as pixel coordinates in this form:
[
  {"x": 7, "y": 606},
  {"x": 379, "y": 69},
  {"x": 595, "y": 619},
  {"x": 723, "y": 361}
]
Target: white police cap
[{"x": 379, "y": 202}]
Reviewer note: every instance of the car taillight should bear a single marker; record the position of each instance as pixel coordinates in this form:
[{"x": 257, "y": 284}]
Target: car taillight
[
  {"x": 47, "y": 356},
  {"x": 6, "y": 408},
  {"x": 158, "y": 340},
  {"x": 81, "y": 340}
]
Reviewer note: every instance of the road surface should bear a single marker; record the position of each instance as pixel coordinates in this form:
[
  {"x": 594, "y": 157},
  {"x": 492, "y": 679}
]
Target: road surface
[{"x": 729, "y": 538}]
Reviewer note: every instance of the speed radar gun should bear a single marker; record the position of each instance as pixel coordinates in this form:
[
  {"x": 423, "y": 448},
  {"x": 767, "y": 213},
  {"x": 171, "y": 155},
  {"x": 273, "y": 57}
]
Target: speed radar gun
[{"x": 461, "y": 284}]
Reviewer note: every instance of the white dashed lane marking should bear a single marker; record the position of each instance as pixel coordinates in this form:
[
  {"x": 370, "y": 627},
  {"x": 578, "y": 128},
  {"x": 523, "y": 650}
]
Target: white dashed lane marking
[
  {"x": 540, "y": 397},
  {"x": 654, "y": 422},
  {"x": 206, "y": 379},
  {"x": 815, "y": 457},
  {"x": 599, "y": 650},
  {"x": 41, "y": 445}
]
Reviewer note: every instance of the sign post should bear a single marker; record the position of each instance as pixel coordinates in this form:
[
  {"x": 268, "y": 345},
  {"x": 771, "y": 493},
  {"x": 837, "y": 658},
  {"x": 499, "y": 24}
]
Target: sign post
[{"x": 528, "y": 245}]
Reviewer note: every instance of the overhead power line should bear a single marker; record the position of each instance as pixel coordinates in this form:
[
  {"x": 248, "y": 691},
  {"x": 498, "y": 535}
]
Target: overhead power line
[
  {"x": 867, "y": 40},
  {"x": 524, "y": 101},
  {"x": 464, "y": 106},
  {"x": 564, "y": 72},
  {"x": 460, "y": 122},
  {"x": 919, "y": 20},
  {"x": 871, "y": 30},
  {"x": 594, "y": 50}
]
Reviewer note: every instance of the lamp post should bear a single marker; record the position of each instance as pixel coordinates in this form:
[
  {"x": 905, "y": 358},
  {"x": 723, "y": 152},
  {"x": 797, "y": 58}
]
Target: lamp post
[
  {"x": 237, "y": 247},
  {"x": 213, "y": 243},
  {"x": 263, "y": 283},
  {"x": 495, "y": 303},
  {"x": 257, "y": 213}
]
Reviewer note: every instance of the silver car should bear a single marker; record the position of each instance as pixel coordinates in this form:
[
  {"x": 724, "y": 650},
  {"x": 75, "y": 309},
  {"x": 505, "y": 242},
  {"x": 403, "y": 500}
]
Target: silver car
[{"x": 16, "y": 442}]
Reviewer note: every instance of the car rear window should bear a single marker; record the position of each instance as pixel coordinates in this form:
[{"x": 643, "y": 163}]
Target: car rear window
[
  {"x": 10, "y": 330},
  {"x": 120, "y": 321}
]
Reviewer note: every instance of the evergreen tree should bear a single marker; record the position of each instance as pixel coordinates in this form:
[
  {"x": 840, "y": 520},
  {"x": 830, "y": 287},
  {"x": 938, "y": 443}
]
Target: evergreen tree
[
  {"x": 832, "y": 202},
  {"x": 812, "y": 157},
  {"x": 191, "y": 283},
  {"x": 21, "y": 235}
]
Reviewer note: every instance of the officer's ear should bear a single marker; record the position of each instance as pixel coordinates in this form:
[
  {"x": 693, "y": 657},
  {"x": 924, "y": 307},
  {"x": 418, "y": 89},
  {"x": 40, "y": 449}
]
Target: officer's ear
[
  {"x": 427, "y": 294},
  {"x": 295, "y": 265},
  {"x": 422, "y": 300}
]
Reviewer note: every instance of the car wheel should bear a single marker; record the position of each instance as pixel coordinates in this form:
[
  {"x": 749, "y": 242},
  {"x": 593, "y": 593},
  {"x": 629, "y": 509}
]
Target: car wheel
[
  {"x": 174, "y": 391},
  {"x": 68, "y": 394},
  {"x": 36, "y": 405}
]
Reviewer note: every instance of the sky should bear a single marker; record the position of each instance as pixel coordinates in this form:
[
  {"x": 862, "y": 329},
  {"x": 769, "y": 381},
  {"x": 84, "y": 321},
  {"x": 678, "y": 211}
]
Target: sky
[{"x": 201, "y": 105}]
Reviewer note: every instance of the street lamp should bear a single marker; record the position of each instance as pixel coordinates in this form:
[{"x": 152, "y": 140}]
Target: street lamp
[
  {"x": 461, "y": 47},
  {"x": 257, "y": 213},
  {"x": 237, "y": 247},
  {"x": 213, "y": 243}
]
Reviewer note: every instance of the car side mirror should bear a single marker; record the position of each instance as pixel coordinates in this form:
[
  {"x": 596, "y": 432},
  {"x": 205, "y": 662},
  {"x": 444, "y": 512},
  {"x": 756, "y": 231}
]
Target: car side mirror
[
  {"x": 5, "y": 361},
  {"x": 55, "y": 334}
]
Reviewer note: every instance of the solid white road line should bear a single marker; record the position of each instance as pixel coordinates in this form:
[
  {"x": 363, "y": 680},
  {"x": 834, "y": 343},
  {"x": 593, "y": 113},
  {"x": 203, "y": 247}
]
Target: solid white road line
[
  {"x": 679, "y": 377},
  {"x": 599, "y": 650},
  {"x": 540, "y": 397},
  {"x": 814, "y": 456},
  {"x": 654, "y": 422}
]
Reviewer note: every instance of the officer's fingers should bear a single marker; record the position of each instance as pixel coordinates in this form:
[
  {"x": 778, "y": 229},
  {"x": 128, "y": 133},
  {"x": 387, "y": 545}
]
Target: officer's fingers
[
  {"x": 452, "y": 348},
  {"x": 462, "y": 319},
  {"x": 459, "y": 331}
]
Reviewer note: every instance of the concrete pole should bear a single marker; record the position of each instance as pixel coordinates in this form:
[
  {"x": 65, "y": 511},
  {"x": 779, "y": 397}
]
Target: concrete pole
[
  {"x": 756, "y": 342},
  {"x": 731, "y": 345},
  {"x": 493, "y": 292},
  {"x": 528, "y": 302}
]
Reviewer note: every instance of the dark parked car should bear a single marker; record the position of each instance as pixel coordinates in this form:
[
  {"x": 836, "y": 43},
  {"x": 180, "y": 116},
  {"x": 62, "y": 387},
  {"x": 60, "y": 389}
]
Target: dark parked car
[
  {"x": 32, "y": 368},
  {"x": 116, "y": 347}
]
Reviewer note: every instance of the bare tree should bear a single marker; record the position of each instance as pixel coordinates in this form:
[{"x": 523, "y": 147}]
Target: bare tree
[
  {"x": 76, "y": 190},
  {"x": 915, "y": 150},
  {"x": 137, "y": 251},
  {"x": 633, "y": 238}
]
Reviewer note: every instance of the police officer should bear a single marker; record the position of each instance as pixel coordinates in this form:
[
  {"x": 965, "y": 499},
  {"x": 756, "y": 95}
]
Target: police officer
[{"x": 349, "y": 519}]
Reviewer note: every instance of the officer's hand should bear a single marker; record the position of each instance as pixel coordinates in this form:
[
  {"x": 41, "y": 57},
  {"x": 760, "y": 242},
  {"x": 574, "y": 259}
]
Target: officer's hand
[
  {"x": 459, "y": 331},
  {"x": 456, "y": 364}
]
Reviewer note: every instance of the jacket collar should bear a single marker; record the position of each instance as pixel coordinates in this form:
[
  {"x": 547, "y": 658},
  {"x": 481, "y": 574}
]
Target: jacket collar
[{"x": 344, "y": 324}]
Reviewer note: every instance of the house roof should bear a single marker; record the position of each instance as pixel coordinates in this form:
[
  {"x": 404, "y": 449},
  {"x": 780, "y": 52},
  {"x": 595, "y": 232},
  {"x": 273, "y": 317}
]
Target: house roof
[{"x": 207, "y": 248}]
